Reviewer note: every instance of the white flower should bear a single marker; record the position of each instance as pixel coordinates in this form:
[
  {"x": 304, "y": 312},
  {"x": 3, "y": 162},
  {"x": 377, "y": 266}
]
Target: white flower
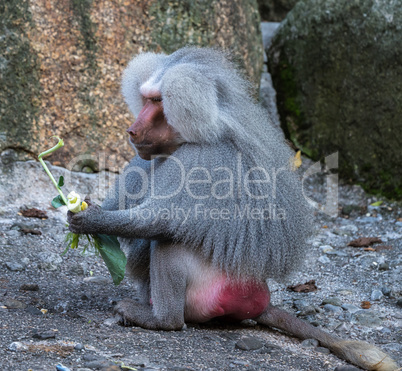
[{"x": 74, "y": 202}]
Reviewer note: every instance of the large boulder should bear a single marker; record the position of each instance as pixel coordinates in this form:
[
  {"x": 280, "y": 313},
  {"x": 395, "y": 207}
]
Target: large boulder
[
  {"x": 336, "y": 66},
  {"x": 61, "y": 64}
]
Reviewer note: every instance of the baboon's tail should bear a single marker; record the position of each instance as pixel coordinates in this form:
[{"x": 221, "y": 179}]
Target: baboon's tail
[{"x": 359, "y": 353}]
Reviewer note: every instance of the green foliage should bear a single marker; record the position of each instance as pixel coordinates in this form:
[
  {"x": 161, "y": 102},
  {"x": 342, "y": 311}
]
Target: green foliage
[
  {"x": 287, "y": 75},
  {"x": 114, "y": 258},
  {"x": 69, "y": 241},
  {"x": 109, "y": 249},
  {"x": 74, "y": 241},
  {"x": 60, "y": 183},
  {"x": 57, "y": 202},
  {"x": 384, "y": 185},
  {"x": 378, "y": 203},
  {"x": 290, "y": 109}
]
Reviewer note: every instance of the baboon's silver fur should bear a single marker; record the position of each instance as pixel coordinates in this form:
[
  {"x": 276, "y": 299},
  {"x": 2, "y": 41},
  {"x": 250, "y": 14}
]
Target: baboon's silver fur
[{"x": 208, "y": 102}]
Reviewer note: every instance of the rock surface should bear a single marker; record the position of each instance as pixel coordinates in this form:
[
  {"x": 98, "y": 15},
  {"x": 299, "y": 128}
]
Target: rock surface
[
  {"x": 339, "y": 86},
  {"x": 61, "y": 64}
]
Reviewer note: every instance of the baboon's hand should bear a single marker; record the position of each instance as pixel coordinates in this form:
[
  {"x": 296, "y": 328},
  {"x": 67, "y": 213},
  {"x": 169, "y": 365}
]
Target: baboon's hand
[{"x": 86, "y": 222}]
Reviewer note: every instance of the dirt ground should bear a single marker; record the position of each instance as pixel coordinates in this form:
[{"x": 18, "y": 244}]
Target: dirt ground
[{"x": 59, "y": 310}]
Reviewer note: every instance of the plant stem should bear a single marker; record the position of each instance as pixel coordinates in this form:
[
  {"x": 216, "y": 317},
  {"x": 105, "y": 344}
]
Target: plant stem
[{"x": 49, "y": 151}]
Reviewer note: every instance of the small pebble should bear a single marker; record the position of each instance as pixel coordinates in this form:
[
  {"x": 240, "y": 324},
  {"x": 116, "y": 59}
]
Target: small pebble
[
  {"x": 367, "y": 220},
  {"x": 343, "y": 327},
  {"x": 60, "y": 367},
  {"x": 300, "y": 304},
  {"x": 350, "y": 227},
  {"x": 112, "y": 321},
  {"x": 392, "y": 236},
  {"x": 350, "y": 308},
  {"x": 49, "y": 261},
  {"x": 14, "y": 304},
  {"x": 249, "y": 343},
  {"x": 14, "y": 266},
  {"x": 386, "y": 291},
  {"x": 97, "y": 279},
  {"x": 43, "y": 335},
  {"x": 367, "y": 318},
  {"x": 248, "y": 323},
  {"x": 345, "y": 316},
  {"x": 79, "y": 269},
  {"x": 376, "y": 295},
  {"x": 324, "y": 259},
  {"x": 29, "y": 287},
  {"x": 322, "y": 350},
  {"x": 61, "y": 307},
  {"x": 12, "y": 233},
  {"x": 307, "y": 310},
  {"x": 16, "y": 346},
  {"x": 332, "y": 300},
  {"x": 310, "y": 343},
  {"x": 33, "y": 310},
  {"x": 383, "y": 267},
  {"x": 91, "y": 357},
  {"x": 337, "y": 253},
  {"x": 326, "y": 248},
  {"x": 271, "y": 348},
  {"x": 79, "y": 346},
  {"x": 99, "y": 364},
  {"x": 229, "y": 336},
  {"x": 332, "y": 308}
]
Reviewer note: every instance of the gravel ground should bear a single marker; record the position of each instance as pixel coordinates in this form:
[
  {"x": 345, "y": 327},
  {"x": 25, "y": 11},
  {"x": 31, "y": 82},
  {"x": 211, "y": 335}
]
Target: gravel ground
[{"x": 60, "y": 309}]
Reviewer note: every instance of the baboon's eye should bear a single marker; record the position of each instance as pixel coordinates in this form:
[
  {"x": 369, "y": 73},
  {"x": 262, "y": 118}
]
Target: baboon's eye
[{"x": 156, "y": 99}]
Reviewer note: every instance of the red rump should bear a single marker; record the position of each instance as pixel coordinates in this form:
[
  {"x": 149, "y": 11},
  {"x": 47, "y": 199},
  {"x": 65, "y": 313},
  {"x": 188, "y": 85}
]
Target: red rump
[{"x": 242, "y": 300}]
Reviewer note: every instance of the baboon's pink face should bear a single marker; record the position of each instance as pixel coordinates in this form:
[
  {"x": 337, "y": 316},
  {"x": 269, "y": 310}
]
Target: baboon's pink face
[{"x": 150, "y": 133}]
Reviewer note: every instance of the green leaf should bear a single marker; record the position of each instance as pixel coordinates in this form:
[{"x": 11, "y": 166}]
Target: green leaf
[
  {"x": 378, "y": 203},
  {"x": 74, "y": 242},
  {"x": 57, "y": 201},
  {"x": 65, "y": 250},
  {"x": 69, "y": 241},
  {"x": 60, "y": 182},
  {"x": 114, "y": 258}
]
